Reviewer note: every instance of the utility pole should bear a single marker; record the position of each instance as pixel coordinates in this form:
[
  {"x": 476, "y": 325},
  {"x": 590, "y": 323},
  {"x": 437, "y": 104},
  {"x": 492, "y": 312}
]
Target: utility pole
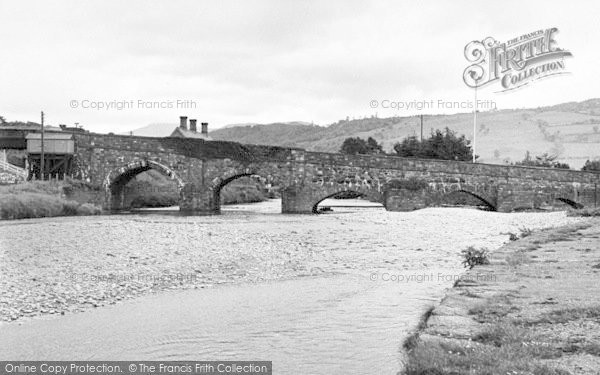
[
  {"x": 421, "y": 128},
  {"x": 42, "y": 150}
]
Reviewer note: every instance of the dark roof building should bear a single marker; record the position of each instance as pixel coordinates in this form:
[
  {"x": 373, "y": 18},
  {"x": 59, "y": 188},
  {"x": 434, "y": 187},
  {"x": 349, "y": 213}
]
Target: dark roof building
[
  {"x": 183, "y": 132},
  {"x": 12, "y": 134}
]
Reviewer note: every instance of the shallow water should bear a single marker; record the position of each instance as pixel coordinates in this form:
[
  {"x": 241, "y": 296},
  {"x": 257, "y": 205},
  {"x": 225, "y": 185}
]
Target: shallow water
[{"x": 366, "y": 275}]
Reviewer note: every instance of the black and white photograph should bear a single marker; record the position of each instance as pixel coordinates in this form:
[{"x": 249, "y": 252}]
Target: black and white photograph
[{"x": 283, "y": 187}]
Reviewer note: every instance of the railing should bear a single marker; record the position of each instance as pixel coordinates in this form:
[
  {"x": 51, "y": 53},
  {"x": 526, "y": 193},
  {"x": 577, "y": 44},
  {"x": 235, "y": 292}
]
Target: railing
[{"x": 7, "y": 167}]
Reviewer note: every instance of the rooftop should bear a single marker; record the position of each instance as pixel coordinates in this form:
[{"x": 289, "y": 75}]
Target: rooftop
[
  {"x": 186, "y": 133},
  {"x": 49, "y": 136}
]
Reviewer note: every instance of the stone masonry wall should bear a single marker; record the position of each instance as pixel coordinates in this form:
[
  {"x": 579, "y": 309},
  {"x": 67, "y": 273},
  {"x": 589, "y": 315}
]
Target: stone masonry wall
[{"x": 306, "y": 178}]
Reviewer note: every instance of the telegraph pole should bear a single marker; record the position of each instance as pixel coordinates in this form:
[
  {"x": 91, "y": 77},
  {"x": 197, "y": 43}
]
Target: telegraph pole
[{"x": 42, "y": 150}]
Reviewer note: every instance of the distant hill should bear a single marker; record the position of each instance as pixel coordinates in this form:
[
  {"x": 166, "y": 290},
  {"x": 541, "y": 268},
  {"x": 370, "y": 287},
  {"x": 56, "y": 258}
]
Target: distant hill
[
  {"x": 165, "y": 129},
  {"x": 154, "y": 130},
  {"x": 569, "y": 130}
]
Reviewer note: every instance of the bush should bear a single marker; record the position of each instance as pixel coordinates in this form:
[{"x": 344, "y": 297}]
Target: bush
[
  {"x": 353, "y": 146},
  {"x": 473, "y": 257},
  {"x": 591, "y": 165},
  {"x": 525, "y": 232},
  {"x": 87, "y": 209},
  {"x": 584, "y": 212},
  {"x": 34, "y": 205},
  {"x": 545, "y": 160},
  {"x": 70, "y": 208}
]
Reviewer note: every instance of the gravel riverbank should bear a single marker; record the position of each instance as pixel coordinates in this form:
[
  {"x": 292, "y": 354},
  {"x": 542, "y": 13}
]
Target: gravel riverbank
[{"x": 535, "y": 309}]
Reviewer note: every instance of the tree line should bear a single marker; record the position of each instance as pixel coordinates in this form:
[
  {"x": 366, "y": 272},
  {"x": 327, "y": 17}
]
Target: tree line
[
  {"x": 442, "y": 145},
  {"x": 447, "y": 145}
]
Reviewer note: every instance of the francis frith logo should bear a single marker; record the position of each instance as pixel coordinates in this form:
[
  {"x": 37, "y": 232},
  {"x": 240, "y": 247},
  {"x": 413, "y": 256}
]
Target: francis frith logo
[{"x": 514, "y": 63}]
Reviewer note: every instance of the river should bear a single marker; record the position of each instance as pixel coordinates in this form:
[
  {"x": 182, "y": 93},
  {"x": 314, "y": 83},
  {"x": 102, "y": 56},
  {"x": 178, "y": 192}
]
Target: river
[{"x": 316, "y": 294}]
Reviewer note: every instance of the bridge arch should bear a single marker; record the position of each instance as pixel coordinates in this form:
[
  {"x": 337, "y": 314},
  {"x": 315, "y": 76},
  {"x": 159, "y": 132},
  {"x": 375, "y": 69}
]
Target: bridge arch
[
  {"x": 322, "y": 192},
  {"x": 218, "y": 183},
  {"x": 116, "y": 180},
  {"x": 487, "y": 203},
  {"x": 315, "y": 207},
  {"x": 570, "y": 202}
]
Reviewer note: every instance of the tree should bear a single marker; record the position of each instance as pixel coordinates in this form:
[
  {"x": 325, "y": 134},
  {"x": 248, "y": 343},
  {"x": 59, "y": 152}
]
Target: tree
[
  {"x": 591, "y": 165},
  {"x": 409, "y": 147},
  {"x": 2, "y": 120},
  {"x": 353, "y": 146},
  {"x": 374, "y": 147},
  {"x": 545, "y": 160},
  {"x": 445, "y": 145}
]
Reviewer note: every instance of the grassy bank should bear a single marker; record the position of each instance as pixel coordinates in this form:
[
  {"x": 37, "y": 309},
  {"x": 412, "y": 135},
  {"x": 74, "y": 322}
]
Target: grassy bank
[
  {"x": 47, "y": 198},
  {"x": 533, "y": 310},
  {"x": 584, "y": 212}
]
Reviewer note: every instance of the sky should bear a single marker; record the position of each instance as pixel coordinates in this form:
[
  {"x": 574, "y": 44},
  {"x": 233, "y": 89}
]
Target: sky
[{"x": 114, "y": 66}]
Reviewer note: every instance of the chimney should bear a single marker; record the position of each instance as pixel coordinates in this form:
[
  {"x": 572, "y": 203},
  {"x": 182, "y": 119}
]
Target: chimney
[
  {"x": 205, "y": 128},
  {"x": 193, "y": 125},
  {"x": 183, "y": 122}
]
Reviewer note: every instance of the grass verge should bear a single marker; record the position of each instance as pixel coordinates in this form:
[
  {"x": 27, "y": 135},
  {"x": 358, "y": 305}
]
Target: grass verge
[
  {"x": 584, "y": 212},
  {"x": 500, "y": 330},
  {"x": 47, "y": 199}
]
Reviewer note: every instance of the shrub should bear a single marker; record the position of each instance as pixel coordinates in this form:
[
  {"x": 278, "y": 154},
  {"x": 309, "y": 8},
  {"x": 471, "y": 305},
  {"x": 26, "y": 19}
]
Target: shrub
[
  {"x": 592, "y": 165},
  {"x": 33, "y": 205},
  {"x": 353, "y": 146},
  {"x": 30, "y": 205},
  {"x": 87, "y": 209},
  {"x": 584, "y": 212},
  {"x": 544, "y": 160},
  {"x": 473, "y": 257},
  {"x": 70, "y": 208},
  {"x": 525, "y": 232}
]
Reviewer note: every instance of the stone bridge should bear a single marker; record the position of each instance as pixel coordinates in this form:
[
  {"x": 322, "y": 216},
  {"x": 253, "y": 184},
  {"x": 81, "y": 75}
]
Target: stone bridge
[{"x": 201, "y": 169}]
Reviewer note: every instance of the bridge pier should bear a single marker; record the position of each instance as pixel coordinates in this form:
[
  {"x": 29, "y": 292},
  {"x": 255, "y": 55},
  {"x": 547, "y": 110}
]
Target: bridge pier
[
  {"x": 303, "y": 199},
  {"x": 115, "y": 198},
  {"x": 198, "y": 199},
  {"x": 407, "y": 200},
  {"x": 296, "y": 200}
]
